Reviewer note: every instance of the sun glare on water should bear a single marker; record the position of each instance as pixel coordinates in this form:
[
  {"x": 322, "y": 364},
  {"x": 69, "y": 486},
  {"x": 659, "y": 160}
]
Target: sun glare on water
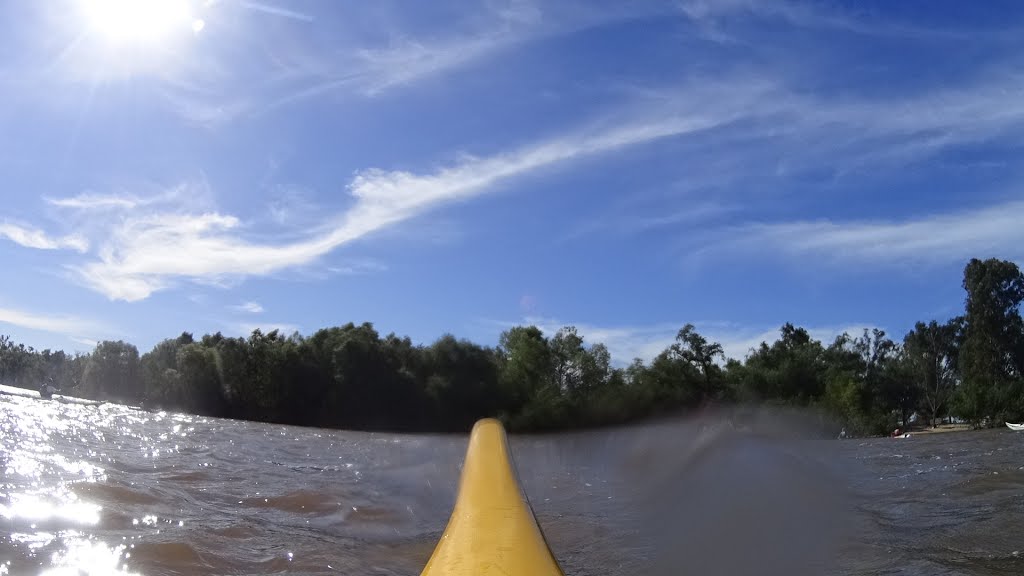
[{"x": 134, "y": 22}]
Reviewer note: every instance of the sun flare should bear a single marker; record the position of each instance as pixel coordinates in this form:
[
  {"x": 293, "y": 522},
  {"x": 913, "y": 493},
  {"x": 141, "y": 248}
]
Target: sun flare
[{"x": 123, "y": 22}]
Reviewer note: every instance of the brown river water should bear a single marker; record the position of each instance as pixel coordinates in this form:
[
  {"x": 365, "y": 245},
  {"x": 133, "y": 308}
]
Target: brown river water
[{"x": 96, "y": 490}]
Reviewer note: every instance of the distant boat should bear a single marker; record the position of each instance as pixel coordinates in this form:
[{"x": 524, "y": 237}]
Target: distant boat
[
  {"x": 34, "y": 395},
  {"x": 1015, "y": 427}
]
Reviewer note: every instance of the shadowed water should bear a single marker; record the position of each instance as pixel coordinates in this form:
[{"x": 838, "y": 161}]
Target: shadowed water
[{"x": 108, "y": 490}]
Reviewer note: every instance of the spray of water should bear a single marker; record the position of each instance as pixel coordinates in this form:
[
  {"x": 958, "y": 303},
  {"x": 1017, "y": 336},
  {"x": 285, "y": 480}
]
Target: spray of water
[{"x": 760, "y": 494}]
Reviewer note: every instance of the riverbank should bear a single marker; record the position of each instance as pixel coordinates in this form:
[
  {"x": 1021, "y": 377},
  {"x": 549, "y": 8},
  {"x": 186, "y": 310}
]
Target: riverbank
[{"x": 941, "y": 429}]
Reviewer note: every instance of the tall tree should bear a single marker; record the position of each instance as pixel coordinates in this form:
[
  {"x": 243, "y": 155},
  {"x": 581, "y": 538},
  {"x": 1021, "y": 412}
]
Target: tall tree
[
  {"x": 526, "y": 362},
  {"x": 18, "y": 364},
  {"x": 567, "y": 359},
  {"x": 578, "y": 370},
  {"x": 112, "y": 371},
  {"x": 791, "y": 370},
  {"x": 528, "y": 377},
  {"x": 159, "y": 371},
  {"x": 932, "y": 352},
  {"x": 200, "y": 390},
  {"x": 846, "y": 395},
  {"x": 990, "y": 355},
  {"x": 884, "y": 376},
  {"x": 461, "y": 380},
  {"x": 696, "y": 351}
]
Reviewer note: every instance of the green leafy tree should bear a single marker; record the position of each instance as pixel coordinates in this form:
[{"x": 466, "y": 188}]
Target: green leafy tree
[
  {"x": 112, "y": 372},
  {"x": 462, "y": 382},
  {"x": 700, "y": 355},
  {"x": 932, "y": 351},
  {"x": 989, "y": 356},
  {"x": 791, "y": 370},
  {"x": 578, "y": 370},
  {"x": 198, "y": 381},
  {"x": 846, "y": 394},
  {"x": 351, "y": 377},
  {"x": 526, "y": 369},
  {"x": 19, "y": 365},
  {"x": 890, "y": 387},
  {"x": 161, "y": 381}
]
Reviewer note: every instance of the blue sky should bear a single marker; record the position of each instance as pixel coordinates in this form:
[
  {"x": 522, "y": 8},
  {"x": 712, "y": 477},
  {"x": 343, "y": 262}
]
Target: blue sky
[{"x": 625, "y": 167}]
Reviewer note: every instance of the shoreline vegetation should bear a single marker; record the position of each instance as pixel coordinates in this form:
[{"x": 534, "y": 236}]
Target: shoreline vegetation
[
  {"x": 941, "y": 429},
  {"x": 969, "y": 368}
]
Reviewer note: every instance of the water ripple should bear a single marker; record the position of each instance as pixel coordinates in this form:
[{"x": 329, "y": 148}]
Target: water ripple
[{"x": 111, "y": 490}]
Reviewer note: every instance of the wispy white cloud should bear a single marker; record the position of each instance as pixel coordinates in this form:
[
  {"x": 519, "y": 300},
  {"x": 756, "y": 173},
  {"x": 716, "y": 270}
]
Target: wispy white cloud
[
  {"x": 789, "y": 132},
  {"x": 135, "y": 259},
  {"x": 93, "y": 201},
  {"x": 410, "y": 59},
  {"x": 278, "y": 70},
  {"x": 145, "y": 253},
  {"x": 65, "y": 325},
  {"x": 371, "y": 71},
  {"x": 31, "y": 237},
  {"x": 276, "y": 11},
  {"x": 753, "y": 119},
  {"x": 86, "y": 341},
  {"x": 196, "y": 194},
  {"x": 940, "y": 238},
  {"x": 388, "y": 196},
  {"x": 249, "y": 307},
  {"x": 713, "y": 14},
  {"x": 728, "y": 113}
]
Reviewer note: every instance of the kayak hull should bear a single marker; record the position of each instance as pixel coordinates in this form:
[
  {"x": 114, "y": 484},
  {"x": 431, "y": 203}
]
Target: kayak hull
[
  {"x": 492, "y": 528},
  {"x": 1015, "y": 427}
]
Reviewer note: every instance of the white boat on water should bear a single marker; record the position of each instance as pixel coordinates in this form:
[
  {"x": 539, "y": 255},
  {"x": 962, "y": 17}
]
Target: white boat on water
[{"x": 1015, "y": 427}]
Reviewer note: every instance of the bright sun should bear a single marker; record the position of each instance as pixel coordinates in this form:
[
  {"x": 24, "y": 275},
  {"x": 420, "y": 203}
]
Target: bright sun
[{"x": 151, "y": 22}]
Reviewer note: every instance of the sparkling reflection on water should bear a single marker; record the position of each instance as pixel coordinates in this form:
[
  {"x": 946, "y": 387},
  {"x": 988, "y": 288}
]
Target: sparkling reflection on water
[{"x": 111, "y": 490}]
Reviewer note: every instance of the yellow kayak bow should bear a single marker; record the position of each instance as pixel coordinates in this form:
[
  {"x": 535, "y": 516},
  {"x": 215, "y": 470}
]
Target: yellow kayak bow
[{"x": 492, "y": 529}]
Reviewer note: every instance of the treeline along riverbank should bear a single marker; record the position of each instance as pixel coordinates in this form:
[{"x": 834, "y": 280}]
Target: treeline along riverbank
[{"x": 970, "y": 367}]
